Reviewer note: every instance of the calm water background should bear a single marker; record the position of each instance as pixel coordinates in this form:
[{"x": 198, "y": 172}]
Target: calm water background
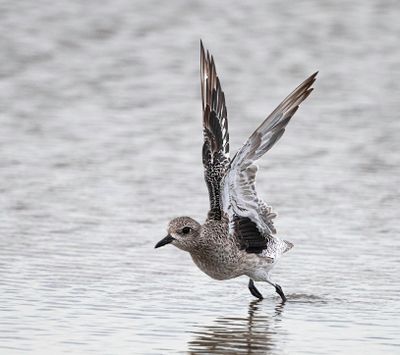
[{"x": 100, "y": 145}]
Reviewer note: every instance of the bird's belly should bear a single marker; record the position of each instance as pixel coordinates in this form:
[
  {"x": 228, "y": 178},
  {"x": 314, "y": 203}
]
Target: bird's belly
[
  {"x": 218, "y": 269},
  {"x": 260, "y": 273},
  {"x": 258, "y": 268}
]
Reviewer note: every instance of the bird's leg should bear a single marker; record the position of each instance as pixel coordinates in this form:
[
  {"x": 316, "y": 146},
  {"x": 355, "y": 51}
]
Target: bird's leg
[
  {"x": 278, "y": 290},
  {"x": 254, "y": 290}
]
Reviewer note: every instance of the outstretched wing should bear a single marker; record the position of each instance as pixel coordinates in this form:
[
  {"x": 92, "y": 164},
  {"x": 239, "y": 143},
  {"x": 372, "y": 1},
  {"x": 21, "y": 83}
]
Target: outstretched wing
[
  {"x": 251, "y": 218},
  {"x": 215, "y": 129}
]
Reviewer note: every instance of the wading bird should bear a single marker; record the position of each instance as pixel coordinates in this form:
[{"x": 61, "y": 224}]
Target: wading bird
[{"x": 238, "y": 237}]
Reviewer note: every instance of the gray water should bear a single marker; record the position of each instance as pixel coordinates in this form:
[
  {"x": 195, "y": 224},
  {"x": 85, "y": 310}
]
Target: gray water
[{"x": 100, "y": 145}]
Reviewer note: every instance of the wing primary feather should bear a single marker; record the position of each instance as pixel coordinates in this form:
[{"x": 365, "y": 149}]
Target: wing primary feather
[{"x": 276, "y": 121}]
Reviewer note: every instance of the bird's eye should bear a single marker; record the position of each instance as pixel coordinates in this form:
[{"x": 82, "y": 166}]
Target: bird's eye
[{"x": 186, "y": 230}]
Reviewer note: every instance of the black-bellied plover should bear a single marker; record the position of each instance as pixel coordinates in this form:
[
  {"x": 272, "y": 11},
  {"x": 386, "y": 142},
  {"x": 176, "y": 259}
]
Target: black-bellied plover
[{"x": 238, "y": 237}]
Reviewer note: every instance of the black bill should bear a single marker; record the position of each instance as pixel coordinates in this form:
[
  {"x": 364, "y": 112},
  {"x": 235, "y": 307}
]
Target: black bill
[{"x": 168, "y": 239}]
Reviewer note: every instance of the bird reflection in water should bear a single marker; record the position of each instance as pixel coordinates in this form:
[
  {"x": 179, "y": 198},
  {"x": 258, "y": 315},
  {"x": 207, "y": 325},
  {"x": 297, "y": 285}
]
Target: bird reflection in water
[{"x": 253, "y": 334}]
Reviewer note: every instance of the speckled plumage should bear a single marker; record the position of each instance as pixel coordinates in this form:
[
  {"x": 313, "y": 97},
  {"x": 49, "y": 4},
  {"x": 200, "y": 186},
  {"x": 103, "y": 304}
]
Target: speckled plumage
[{"x": 238, "y": 237}]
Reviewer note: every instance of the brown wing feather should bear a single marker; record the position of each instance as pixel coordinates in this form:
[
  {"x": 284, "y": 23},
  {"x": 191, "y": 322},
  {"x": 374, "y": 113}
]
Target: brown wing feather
[{"x": 215, "y": 129}]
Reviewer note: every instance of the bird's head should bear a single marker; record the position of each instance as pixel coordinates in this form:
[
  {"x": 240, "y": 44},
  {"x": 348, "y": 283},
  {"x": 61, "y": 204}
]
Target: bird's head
[{"x": 183, "y": 232}]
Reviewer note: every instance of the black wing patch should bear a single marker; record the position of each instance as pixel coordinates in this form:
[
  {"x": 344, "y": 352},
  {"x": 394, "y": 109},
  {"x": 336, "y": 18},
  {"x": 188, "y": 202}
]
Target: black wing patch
[{"x": 248, "y": 235}]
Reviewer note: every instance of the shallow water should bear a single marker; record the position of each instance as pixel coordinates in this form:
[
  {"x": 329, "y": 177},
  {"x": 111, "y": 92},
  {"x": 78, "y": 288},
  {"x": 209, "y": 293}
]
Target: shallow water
[{"x": 100, "y": 146}]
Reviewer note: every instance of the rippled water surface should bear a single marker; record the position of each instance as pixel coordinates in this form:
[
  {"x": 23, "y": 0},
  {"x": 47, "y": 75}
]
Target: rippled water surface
[{"x": 100, "y": 146}]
